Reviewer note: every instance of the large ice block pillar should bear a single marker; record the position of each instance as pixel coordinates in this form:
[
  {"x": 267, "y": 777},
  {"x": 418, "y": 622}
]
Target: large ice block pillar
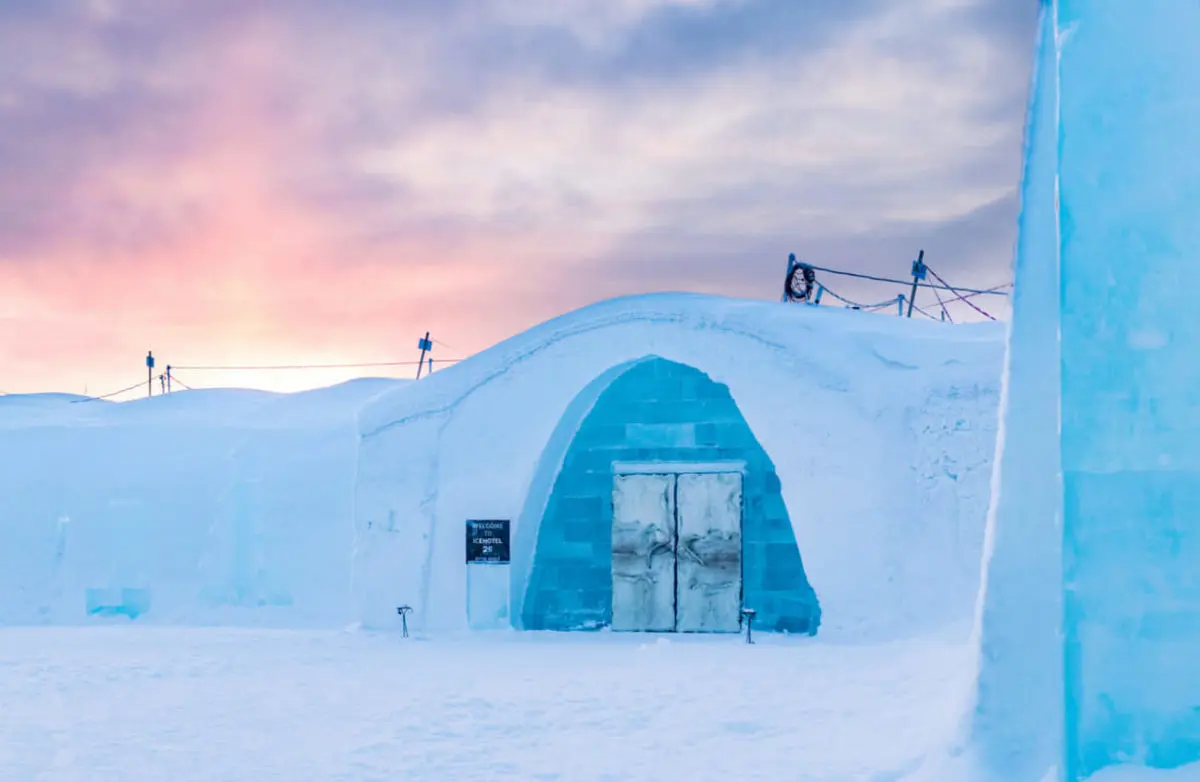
[
  {"x": 1016, "y": 727},
  {"x": 1129, "y": 183}
]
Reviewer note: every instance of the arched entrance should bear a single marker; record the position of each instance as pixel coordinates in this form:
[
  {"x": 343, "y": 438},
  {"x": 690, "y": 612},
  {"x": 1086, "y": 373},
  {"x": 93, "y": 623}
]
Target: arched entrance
[{"x": 667, "y": 515}]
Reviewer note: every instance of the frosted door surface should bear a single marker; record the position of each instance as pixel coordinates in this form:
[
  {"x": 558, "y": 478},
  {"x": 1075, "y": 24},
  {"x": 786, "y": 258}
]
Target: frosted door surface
[
  {"x": 643, "y": 553},
  {"x": 709, "y": 553}
]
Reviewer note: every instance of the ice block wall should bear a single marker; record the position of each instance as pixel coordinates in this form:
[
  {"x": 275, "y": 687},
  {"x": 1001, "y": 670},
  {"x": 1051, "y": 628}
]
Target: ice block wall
[
  {"x": 1129, "y": 179},
  {"x": 1017, "y": 722}
]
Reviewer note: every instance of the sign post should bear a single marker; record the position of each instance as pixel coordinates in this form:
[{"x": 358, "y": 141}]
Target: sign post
[
  {"x": 426, "y": 346},
  {"x": 488, "y": 557},
  {"x": 918, "y": 273}
]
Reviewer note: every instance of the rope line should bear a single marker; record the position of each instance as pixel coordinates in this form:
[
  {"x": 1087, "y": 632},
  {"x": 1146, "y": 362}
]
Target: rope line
[
  {"x": 875, "y": 307},
  {"x": 923, "y": 312},
  {"x": 995, "y": 291},
  {"x": 965, "y": 296},
  {"x": 215, "y": 368},
  {"x": 942, "y": 304},
  {"x": 138, "y": 384},
  {"x": 175, "y": 379},
  {"x": 885, "y": 304},
  {"x": 844, "y": 300},
  {"x": 970, "y": 304}
]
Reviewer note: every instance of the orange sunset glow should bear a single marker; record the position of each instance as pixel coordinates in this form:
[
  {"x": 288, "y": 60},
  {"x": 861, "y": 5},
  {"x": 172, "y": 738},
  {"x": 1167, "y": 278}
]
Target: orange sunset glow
[{"x": 244, "y": 184}]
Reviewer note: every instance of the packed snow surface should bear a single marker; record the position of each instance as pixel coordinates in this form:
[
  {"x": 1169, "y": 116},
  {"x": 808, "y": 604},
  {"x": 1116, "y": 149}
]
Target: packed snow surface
[{"x": 122, "y": 704}]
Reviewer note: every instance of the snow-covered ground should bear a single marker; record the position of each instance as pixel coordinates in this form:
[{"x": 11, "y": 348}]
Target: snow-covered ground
[{"x": 143, "y": 704}]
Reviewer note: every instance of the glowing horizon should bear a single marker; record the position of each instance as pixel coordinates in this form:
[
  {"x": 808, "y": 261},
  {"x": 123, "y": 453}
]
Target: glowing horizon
[{"x": 230, "y": 185}]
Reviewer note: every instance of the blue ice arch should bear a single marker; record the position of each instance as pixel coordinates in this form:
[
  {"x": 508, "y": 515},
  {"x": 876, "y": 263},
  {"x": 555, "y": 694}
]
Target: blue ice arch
[{"x": 649, "y": 412}]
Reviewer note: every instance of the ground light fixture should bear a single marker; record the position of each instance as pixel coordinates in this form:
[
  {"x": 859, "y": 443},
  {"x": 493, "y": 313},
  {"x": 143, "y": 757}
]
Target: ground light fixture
[
  {"x": 404, "y": 611},
  {"x": 748, "y": 616}
]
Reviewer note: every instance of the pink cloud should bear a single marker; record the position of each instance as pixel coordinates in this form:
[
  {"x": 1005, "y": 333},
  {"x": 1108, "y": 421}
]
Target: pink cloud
[{"x": 227, "y": 183}]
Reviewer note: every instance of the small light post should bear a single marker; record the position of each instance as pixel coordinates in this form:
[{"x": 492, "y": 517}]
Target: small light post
[
  {"x": 748, "y": 616},
  {"x": 404, "y": 611}
]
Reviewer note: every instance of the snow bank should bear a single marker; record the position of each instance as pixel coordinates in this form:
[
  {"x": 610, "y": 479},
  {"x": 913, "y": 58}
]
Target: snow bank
[
  {"x": 201, "y": 506},
  {"x": 881, "y": 429}
]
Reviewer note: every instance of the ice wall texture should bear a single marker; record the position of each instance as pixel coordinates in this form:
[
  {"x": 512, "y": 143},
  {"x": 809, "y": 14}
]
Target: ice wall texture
[
  {"x": 1017, "y": 722},
  {"x": 661, "y": 411},
  {"x": 1130, "y": 220}
]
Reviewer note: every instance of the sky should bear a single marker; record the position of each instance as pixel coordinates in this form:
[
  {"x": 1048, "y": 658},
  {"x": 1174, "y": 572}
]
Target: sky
[{"x": 247, "y": 183}]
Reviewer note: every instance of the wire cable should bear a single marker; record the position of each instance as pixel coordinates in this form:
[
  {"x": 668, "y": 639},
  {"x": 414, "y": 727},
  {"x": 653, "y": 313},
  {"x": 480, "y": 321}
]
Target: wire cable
[
  {"x": 215, "y": 368},
  {"x": 884, "y": 305},
  {"x": 923, "y": 312},
  {"x": 844, "y": 300},
  {"x": 859, "y": 305},
  {"x": 138, "y": 384},
  {"x": 965, "y": 296},
  {"x": 970, "y": 304},
  {"x": 995, "y": 291},
  {"x": 942, "y": 304}
]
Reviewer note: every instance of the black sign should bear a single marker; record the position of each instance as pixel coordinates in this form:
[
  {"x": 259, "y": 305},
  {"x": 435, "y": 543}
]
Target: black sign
[{"x": 487, "y": 541}]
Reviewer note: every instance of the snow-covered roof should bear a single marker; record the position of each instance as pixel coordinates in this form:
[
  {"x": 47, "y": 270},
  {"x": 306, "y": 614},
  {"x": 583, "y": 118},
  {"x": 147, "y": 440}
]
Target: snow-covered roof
[
  {"x": 685, "y": 324},
  {"x": 881, "y": 430}
]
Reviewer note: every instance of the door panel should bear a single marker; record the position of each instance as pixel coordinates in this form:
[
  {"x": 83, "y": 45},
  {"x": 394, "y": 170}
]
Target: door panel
[
  {"x": 709, "y": 553},
  {"x": 643, "y": 557}
]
